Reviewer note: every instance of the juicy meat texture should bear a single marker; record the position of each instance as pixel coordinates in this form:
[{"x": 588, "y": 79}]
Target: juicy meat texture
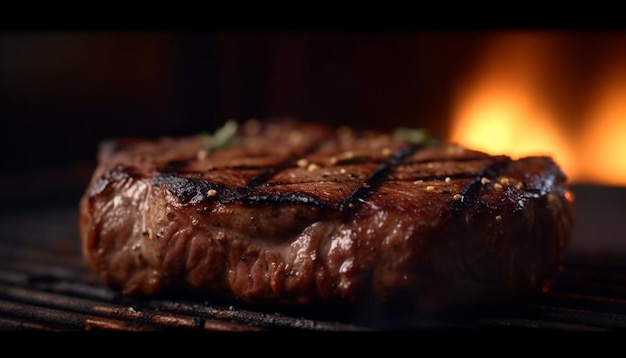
[{"x": 300, "y": 214}]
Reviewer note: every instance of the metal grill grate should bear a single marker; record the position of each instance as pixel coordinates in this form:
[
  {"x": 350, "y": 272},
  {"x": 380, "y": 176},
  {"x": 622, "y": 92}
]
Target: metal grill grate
[{"x": 44, "y": 285}]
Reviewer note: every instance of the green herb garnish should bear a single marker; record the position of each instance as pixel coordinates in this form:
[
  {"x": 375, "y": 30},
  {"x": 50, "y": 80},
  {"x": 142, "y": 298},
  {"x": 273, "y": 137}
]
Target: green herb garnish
[
  {"x": 222, "y": 137},
  {"x": 415, "y": 136}
]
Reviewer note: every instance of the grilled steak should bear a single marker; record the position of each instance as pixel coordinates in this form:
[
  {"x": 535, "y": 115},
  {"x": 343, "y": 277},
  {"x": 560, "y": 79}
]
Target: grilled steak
[{"x": 300, "y": 214}]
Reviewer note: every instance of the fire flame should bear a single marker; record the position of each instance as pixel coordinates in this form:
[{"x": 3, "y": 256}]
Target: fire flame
[
  {"x": 514, "y": 106},
  {"x": 603, "y": 157}
]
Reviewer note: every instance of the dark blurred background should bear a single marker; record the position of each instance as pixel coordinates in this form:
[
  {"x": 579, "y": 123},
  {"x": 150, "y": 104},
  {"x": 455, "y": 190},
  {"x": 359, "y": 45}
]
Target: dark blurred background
[{"x": 62, "y": 91}]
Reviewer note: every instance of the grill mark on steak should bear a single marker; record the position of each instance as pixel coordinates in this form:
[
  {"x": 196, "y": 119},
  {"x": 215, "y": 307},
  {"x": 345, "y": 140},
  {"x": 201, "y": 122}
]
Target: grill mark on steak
[
  {"x": 376, "y": 178},
  {"x": 270, "y": 172},
  {"x": 471, "y": 193},
  {"x": 286, "y": 198},
  {"x": 194, "y": 191},
  {"x": 434, "y": 177}
]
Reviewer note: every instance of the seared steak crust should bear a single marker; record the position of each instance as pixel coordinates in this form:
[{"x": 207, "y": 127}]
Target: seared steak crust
[{"x": 300, "y": 214}]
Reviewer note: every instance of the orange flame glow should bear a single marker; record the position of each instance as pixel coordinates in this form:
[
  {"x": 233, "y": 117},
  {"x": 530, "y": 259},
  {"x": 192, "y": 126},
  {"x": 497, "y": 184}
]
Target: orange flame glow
[
  {"x": 603, "y": 157},
  {"x": 507, "y": 108}
]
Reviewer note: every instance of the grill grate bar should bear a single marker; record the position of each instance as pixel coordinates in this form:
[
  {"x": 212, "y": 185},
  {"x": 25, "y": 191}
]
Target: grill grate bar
[
  {"x": 11, "y": 324},
  {"x": 52, "y": 318},
  {"x": 75, "y": 313},
  {"x": 66, "y": 285},
  {"x": 254, "y": 318}
]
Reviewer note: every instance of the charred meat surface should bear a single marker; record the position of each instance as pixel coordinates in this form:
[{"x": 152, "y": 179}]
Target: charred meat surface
[{"x": 300, "y": 214}]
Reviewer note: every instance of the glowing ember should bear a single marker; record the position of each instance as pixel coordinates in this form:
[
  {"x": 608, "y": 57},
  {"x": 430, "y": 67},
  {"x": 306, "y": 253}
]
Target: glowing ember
[{"x": 508, "y": 109}]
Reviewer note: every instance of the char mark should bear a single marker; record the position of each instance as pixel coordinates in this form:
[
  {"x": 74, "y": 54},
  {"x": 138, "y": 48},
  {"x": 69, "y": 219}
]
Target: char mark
[
  {"x": 269, "y": 172},
  {"x": 266, "y": 175},
  {"x": 286, "y": 198},
  {"x": 472, "y": 191},
  {"x": 377, "y": 177},
  {"x": 194, "y": 191}
]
